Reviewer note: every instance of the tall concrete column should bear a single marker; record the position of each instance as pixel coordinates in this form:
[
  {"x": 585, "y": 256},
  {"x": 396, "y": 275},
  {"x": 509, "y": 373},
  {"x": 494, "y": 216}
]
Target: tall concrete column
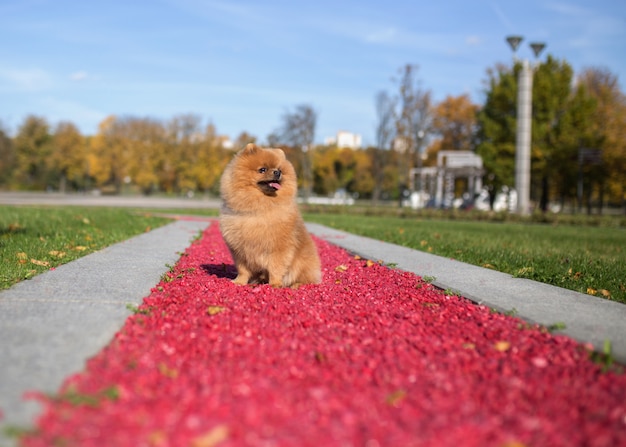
[{"x": 523, "y": 137}]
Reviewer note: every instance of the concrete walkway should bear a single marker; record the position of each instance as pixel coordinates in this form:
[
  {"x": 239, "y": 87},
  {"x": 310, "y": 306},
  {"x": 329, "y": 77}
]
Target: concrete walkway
[{"x": 51, "y": 324}]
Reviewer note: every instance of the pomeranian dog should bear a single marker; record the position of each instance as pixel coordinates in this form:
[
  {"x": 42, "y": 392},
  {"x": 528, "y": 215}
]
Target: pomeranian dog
[{"x": 261, "y": 223}]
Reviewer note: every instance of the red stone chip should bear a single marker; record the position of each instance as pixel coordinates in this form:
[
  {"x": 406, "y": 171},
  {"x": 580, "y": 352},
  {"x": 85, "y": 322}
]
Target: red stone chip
[{"x": 371, "y": 357}]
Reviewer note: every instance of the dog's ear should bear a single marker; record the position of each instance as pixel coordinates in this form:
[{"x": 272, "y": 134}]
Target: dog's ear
[
  {"x": 250, "y": 149},
  {"x": 280, "y": 153}
]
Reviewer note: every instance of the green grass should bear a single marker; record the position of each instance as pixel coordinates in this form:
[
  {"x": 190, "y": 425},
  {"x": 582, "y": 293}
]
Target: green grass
[
  {"x": 36, "y": 239},
  {"x": 582, "y": 258}
]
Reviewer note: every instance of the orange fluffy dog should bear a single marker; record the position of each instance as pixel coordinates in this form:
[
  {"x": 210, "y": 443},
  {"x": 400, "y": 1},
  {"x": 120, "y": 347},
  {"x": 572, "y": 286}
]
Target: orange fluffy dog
[{"x": 261, "y": 223}]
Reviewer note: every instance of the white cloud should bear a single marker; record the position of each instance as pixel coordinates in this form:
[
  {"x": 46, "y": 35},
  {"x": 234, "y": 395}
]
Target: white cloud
[
  {"x": 473, "y": 40},
  {"x": 387, "y": 35},
  {"x": 79, "y": 76},
  {"x": 31, "y": 79}
]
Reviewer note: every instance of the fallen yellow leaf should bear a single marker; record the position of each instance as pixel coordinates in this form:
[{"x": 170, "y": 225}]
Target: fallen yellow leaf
[
  {"x": 369, "y": 263},
  {"x": 211, "y": 438},
  {"x": 502, "y": 346},
  {"x": 157, "y": 438},
  {"x": 214, "y": 310},
  {"x": 514, "y": 444},
  {"x": 40, "y": 263},
  {"x": 56, "y": 253},
  {"x": 591, "y": 291},
  {"x": 394, "y": 399},
  {"x": 172, "y": 373},
  {"x": 341, "y": 268},
  {"x": 14, "y": 227},
  {"x": 605, "y": 293}
]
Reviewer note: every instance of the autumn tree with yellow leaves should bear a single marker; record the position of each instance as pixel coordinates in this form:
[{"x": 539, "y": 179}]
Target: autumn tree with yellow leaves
[
  {"x": 69, "y": 157},
  {"x": 608, "y": 127}
]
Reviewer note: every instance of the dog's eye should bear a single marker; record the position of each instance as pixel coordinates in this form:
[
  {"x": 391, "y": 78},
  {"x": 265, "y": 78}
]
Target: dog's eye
[{"x": 262, "y": 170}]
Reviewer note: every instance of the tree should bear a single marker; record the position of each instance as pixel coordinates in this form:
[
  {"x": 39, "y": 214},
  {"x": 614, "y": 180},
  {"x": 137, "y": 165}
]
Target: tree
[
  {"x": 385, "y": 127},
  {"x": 183, "y": 135},
  {"x": 69, "y": 156},
  {"x": 143, "y": 141},
  {"x": 559, "y": 119},
  {"x": 7, "y": 157},
  {"x": 496, "y": 129},
  {"x": 242, "y": 139},
  {"x": 343, "y": 168},
  {"x": 109, "y": 155},
  {"x": 608, "y": 127},
  {"x": 413, "y": 121},
  {"x": 454, "y": 121},
  {"x": 298, "y": 131},
  {"x": 32, "y": 150},
  {"x": 556, "y": 135},
  {"x": 210, "y": 161},
  {"x": 325, "y": 163}
]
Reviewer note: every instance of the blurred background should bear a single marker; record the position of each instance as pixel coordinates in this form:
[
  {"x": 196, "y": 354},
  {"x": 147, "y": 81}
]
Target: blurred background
[{"x": 400, "y": 103}]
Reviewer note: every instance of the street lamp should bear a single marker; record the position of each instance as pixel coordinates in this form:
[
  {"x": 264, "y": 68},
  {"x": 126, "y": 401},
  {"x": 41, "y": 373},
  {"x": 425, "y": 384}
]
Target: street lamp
[{"x": 524, "y": 122}]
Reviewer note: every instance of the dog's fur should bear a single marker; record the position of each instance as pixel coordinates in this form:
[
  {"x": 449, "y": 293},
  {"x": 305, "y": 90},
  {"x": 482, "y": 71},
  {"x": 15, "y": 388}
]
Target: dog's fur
[{"x": 261, "y": 223}]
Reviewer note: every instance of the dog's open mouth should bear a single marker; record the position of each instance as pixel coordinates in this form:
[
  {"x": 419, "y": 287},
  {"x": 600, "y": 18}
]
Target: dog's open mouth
[{"x": 270, "y": 186}]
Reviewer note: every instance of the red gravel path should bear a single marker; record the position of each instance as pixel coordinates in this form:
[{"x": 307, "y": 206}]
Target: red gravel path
[{"x": 372, "y": 356}]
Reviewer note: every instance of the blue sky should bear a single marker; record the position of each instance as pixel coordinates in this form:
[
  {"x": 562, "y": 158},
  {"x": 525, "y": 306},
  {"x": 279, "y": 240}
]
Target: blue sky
[{"x": 243, "y": 64}]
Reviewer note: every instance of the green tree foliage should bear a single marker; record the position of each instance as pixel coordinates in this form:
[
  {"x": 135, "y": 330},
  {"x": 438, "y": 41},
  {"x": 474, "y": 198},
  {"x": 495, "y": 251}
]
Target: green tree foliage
[
  {"x": 560, "y": 114},
  {"x": 7, "y": 158},
  {"x": 32, "y": 151},
  {"x": 496, "y": 128}
]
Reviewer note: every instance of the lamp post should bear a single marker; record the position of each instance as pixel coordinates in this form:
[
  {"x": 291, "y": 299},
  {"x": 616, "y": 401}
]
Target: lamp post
[{"x": 524, "y": 124}]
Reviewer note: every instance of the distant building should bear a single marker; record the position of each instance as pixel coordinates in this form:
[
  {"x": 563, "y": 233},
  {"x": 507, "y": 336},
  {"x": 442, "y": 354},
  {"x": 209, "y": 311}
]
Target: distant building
[{"x": 345, "y": 139}]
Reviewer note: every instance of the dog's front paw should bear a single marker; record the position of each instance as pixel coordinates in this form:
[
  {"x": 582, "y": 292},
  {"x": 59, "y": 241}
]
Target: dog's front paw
[{"x": 242, "y": 281}]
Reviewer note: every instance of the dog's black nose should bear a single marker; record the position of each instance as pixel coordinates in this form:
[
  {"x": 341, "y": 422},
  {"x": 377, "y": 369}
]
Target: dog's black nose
[{"x": 277, "y": 174}]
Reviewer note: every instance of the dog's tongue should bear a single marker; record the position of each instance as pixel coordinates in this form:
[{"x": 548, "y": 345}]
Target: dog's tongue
[{"x": 275, "y": 185}]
